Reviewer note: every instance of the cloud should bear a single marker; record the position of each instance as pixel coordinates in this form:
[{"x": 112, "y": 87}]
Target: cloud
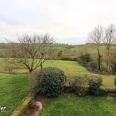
[
  {"x": 60, "y": 18},
  {"x": 10, "y": 21}
]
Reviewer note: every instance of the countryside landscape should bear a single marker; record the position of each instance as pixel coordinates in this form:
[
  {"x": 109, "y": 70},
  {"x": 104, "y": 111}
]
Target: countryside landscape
[
  {"x": 58, "y": 58},
  {"x": 68, "y": 80}
]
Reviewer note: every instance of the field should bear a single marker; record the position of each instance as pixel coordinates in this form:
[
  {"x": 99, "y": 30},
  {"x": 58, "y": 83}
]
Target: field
[{"x": 88, "y": 48}]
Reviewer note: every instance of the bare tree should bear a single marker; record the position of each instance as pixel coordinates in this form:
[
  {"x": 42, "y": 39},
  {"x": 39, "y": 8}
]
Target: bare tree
[
  {"x": 109, "y": 40},
  {"x": 31, "y": 51},
  {"x": 96, "y": 37},
  {"x": 113, "y": 59}
]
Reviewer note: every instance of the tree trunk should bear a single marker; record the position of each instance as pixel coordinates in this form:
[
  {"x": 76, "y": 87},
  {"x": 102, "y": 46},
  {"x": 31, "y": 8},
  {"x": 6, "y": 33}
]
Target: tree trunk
[
  {"x": 30, "y": 78},
  {"x": 99, "y": 61}
]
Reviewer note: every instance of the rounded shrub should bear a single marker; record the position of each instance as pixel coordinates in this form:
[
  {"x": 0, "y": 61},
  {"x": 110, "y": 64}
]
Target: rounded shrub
[
  {"x": 94, "y": 83},
  {"x": 50, "y": 81}
]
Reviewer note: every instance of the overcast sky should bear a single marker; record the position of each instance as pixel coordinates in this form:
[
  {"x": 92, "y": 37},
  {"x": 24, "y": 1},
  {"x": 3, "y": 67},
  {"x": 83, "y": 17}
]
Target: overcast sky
[{"x": 68, "y": 21}]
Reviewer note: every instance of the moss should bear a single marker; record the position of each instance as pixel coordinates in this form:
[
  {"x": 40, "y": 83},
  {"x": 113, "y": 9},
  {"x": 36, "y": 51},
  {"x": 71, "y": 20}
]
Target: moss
[{"x": 20, "y": 111}]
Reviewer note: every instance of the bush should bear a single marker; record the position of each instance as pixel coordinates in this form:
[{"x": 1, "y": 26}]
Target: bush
[
  {"x": 77, "y": 84},
  {"x": 114, "y": 68},
  {"x": 78, "y": 80},
  {"x": 50, "y": 81},
  {"x": 94, "y": 83},
  {"x": 84, "y": 59},
  {"x": 68, "y": 59},
  {"x": 93, "y": 65}
]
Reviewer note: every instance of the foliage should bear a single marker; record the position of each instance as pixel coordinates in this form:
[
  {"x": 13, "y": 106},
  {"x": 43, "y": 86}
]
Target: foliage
[
  {"x": 115, "y": 81},
  {"x": 94, "y": 83},
  {"x": 59, "y": 53},
  {"x": 113, "y": 67},
  {"x": 93, "y": 65},
  {"x": 50, "y": 81},
  {"x": 77, "y": 85},
  {"x": 68, "y": 59},
  {"x": 78, "y": 80},
  {"x": 84, "y": 59}
]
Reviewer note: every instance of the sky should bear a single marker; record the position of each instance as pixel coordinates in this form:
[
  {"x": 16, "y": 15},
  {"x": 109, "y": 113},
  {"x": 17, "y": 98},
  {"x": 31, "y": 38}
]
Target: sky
[{"x": 68, "y": 21}]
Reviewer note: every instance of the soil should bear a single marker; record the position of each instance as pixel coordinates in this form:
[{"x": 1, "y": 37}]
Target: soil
[{"x": 36, "y": 106}]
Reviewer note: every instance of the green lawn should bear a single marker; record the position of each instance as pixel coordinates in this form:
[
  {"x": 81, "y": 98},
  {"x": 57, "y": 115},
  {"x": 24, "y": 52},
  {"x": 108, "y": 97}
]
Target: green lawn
[
  {"x": 69, "y": 67},
  {"x": 72, "y": 105},
  {"x": 2, "y": 50},
  {"x": 13, "y": 88},
  {"x": 72, "y": 68}
]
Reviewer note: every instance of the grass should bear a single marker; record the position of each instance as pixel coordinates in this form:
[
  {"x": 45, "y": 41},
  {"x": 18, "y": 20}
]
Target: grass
[
  {"x": 59, "y": 46},
  {"x": 108, "y": 81},
  {"x": 76, "y": 48},
  {"x": 13, "y": 88},
  {"x": 71, "y": 105},
  {"x": 2, "y": 50},
  {"x": 72, "y": 68},
  {"x": 69, "y": 67},
  {"x": 91, "y": 49}
]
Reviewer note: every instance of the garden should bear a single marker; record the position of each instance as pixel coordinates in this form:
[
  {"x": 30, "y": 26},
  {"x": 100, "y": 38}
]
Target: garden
[{"x": 16, "y": 89}]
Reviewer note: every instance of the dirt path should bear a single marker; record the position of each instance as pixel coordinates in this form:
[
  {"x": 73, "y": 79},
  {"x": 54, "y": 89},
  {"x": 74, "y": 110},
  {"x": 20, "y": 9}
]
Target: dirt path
[{"x": 36, "y": 106}]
